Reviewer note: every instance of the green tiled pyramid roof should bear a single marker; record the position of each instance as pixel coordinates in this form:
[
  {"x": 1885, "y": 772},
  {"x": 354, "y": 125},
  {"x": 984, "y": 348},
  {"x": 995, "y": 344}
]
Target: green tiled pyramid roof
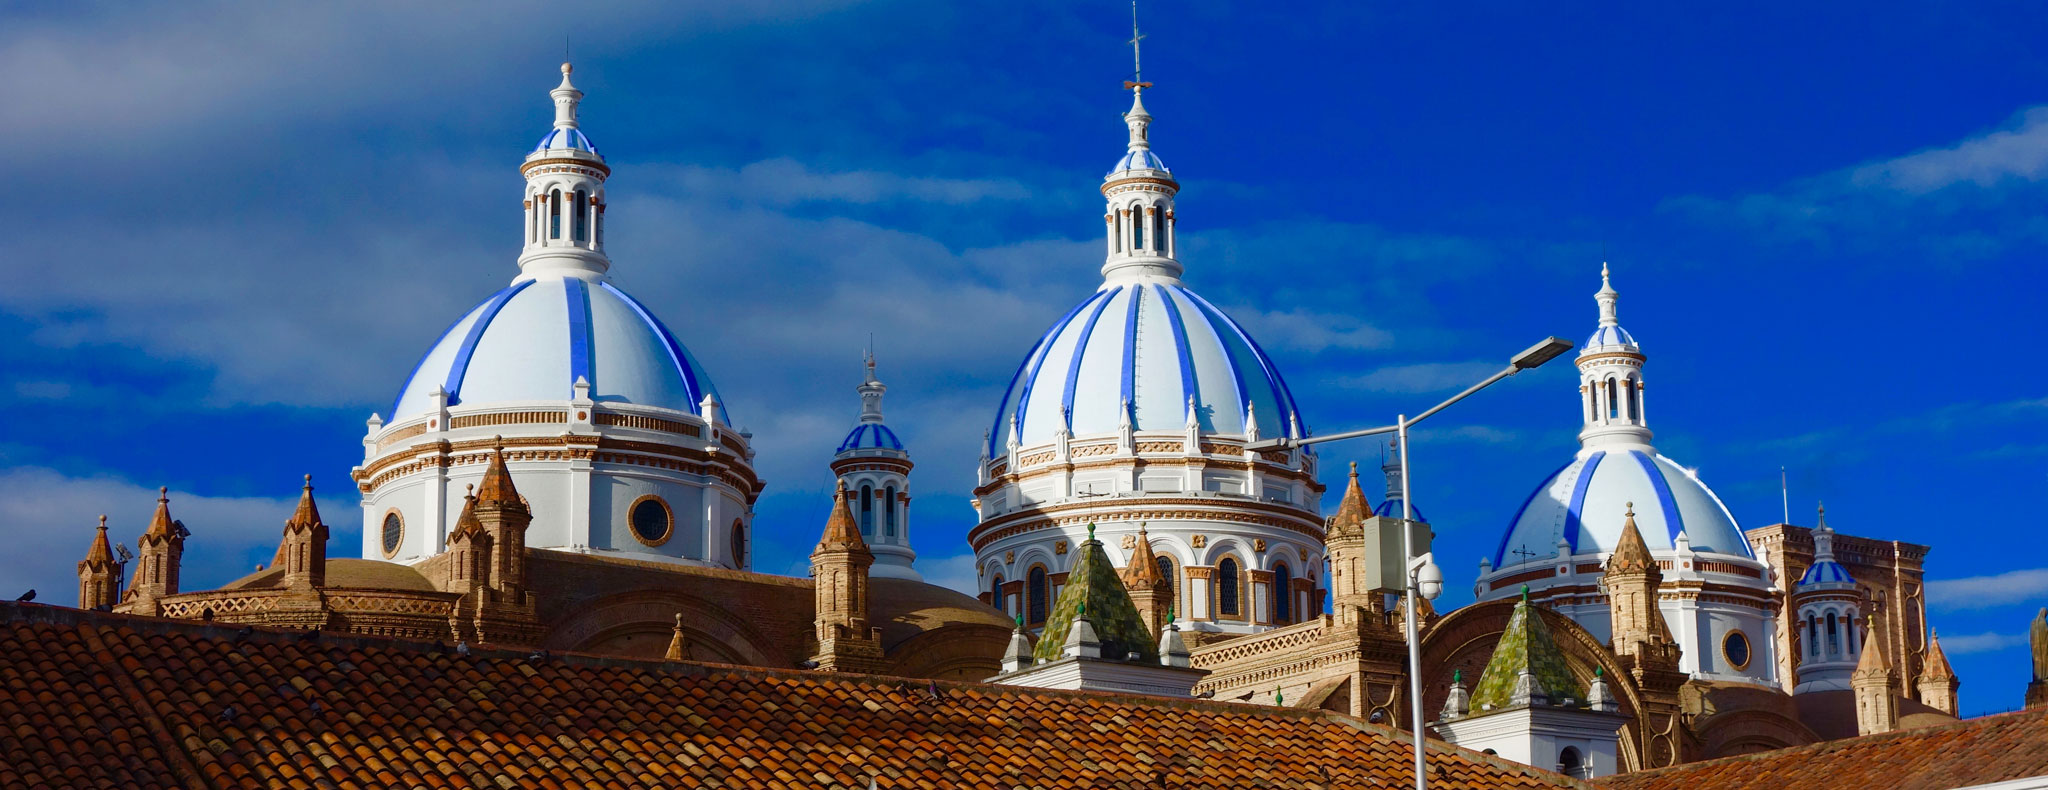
[
  {"x": 1526, "y": 643},
  {"x": 1093, "y": 581}
]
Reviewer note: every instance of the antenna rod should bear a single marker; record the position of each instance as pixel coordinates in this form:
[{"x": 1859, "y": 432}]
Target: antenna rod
[{"x": 1785, "y": 492}]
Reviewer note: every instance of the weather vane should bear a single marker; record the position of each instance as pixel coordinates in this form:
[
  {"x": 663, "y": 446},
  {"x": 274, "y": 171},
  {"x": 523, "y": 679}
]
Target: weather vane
[{"x": 1137, "y": 79}]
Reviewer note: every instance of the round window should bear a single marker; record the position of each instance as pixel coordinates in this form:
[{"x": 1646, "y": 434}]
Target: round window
[
  {"x": 739, "y": 545},
  {"x": 651, "y": 520},
  {"x": 394, "y": 533},
  {"x": 1735, "y": 648}
]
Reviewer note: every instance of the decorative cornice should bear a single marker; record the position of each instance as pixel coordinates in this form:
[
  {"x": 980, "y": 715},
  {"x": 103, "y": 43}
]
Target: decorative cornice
[
  {"x": 1163, "y": 509},
  {"x": 568, "y": 164}
]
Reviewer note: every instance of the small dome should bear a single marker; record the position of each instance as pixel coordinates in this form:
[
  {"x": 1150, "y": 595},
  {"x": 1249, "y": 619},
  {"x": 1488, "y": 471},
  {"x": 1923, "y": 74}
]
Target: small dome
[
  {"x": 1585, "y": 504},
  {"x": 565, "y": 138},
  {"x": 1142, "y": 159},
  {"x": 1155, "y": 345},
  {"x": 1609, "y": 336},
  {"x": 871, "y": 436},
  {"x": 1826, "y": 572},
  {"x": 532, "y": 340},
  {"x": 1391, "y": 508}
]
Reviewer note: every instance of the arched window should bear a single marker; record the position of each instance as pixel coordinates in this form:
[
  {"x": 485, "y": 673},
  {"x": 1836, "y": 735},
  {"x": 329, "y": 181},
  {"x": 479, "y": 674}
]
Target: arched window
[
  {"x": 1813, "y": 635},
  {"x": 555, "y": 214},
  {"x": 600, "y": 227},
  {"x": 1117, "y": 235},
  {"x": 1166, "y": 572},
  {"x": 1138, "y": 229},
  {"x": 1036, "y": 596},
  {"x": 1613, "y": 403},
  {"x": 1159, "y": 232},
  {"x": 867, "y": 511},
  {"x": 1834, "y": 640},
  {"x": 995, "y": 594},
  {"x": 1283, "y": 594},
  {"x": 889, "y": 511},
  {"x": 1632, "y": 397},
  {"x": 580, "y": 226},
  {"x": 1571, "y": 763},
  {"x": 1226, "y": 588}
]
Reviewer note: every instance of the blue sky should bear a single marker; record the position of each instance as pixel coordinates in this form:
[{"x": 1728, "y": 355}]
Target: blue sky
[{"x": 236, "y": 227}]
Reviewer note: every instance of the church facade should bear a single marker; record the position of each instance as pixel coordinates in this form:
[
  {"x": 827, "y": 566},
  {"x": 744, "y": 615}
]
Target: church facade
[{"x": 558, "y": 473}]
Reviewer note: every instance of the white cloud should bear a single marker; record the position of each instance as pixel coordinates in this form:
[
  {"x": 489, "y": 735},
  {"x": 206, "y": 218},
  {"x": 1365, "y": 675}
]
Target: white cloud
[
  {"x": 2019, "y": 151},
  {"x": 1967, "y": 201},
  {"x": 1422, "y": 378},
  {"x": 784, "y": 182},
  {"x": 956, "y": 572},
  {"x": 1984, "y": 592},
  {"x": 49, "y": 518},
  {"x": 1980, "y": 643},
  {"x": 1310, "y": 331}
]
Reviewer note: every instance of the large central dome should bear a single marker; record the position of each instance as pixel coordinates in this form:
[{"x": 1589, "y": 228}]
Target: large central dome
[
  {"x": 1151, "y": 346},
  {"x": 534, "y": 339}
]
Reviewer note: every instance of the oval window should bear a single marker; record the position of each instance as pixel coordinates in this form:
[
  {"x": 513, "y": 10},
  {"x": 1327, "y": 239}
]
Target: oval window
[
  {"x": 651, "y": 521},
  {"x": 1735, "y": 648},
  {"x": 394, "y": 533}
]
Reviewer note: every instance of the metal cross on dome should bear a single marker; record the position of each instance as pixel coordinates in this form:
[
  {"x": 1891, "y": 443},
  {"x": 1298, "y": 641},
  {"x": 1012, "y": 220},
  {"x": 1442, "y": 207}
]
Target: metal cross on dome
[
  {"x": 1524, "y": 553},
  {"x": 1137, "y": 79}
]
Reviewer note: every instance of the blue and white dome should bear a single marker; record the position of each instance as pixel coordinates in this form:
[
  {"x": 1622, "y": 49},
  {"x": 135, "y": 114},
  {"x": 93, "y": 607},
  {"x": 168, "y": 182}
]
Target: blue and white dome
[
  {"x": 1142, "y": 159},
  {"x": 1155, "y": 345},
  {"x": 1391, "y": 508},
  {"x": 1611, "y": 336},
  {"x": 566, "y": 139},
  {"x": 871, "y": 436},
  {"x": 532, "y": 340},
  {"x": 1825, "y": 572},
  {"x": 1586, "y": 502}
]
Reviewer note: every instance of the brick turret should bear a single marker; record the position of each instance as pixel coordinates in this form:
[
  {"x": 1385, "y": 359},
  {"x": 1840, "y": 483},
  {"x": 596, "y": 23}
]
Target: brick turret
[
  {"x": 839, "y": 575},
  {"x": 99, "y": 575},
  {"x": 302, "y": 554},
  {"x": 162, "y": 548},
  {"x": 1877, "y": 709},
  {"x": 1150, "y": 591}
]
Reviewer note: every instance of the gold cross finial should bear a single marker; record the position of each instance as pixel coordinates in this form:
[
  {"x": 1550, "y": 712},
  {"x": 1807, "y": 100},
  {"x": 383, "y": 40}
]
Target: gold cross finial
[{"x": 1137, "y": 79}]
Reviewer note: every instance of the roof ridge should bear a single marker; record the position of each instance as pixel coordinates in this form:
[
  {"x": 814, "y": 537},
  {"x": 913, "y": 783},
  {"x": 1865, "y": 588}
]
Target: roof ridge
[{"x": 1852, "y": 742}]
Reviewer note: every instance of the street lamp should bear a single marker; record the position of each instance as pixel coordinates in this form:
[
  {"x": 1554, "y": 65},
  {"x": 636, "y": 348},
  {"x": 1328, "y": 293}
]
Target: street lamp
[{"x": 1424, "y": 578}]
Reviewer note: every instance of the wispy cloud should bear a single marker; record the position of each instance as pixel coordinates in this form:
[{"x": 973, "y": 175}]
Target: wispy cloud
[
  {"x": 2018, "y": 152},
  {"x": 1985, "y": 592},
  {"x": 1969, "y": 200},
  {"x": 1422, "y": 378},
  {"x": 1986, "y": 642},
  {"x": 50, "y": 517},
  {"x": 786, "y": 182}
]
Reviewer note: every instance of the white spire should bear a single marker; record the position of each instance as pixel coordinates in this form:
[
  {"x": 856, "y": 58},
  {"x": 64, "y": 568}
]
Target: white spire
[
  {"x": 1823, "y": 538},
  {"x": 1607, "y": 296},
  {"x": 1611, "y": 378},
  {"x": 566, "y": 98},
  {"x": 565, "y": 204},
  {"x": 871, "y": 390},
  {"x": 1140, "y": 190}
]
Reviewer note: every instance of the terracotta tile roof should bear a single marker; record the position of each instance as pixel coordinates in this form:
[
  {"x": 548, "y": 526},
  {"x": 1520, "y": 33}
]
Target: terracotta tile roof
[
  {"x": 99, "y": 554},
  {"x": 1978, "y": 751},
  {"x": 1631, "y": 554},
  {"x": 840, "y": 532},
  {"x": 1352, "y": 509},
  {"x": 93, "y": 699},
  {"x": 496, "y": 486}
]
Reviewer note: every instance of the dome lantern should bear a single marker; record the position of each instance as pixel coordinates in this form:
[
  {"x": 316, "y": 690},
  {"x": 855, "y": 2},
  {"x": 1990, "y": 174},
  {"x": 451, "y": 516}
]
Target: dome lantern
[{"x": 565, "y": 204}]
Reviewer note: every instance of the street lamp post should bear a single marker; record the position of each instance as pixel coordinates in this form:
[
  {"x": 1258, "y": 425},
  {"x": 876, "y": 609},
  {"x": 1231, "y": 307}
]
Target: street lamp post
[{"x": 1423, "y": 578}]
